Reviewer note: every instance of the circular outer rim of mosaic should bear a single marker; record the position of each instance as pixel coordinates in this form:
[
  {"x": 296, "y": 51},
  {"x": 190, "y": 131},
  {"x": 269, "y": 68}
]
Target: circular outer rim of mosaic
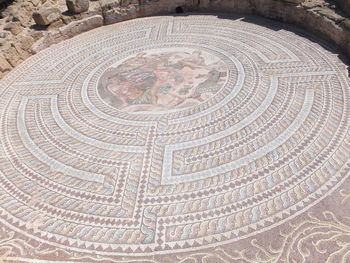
[{"x": 270, "y": 144}]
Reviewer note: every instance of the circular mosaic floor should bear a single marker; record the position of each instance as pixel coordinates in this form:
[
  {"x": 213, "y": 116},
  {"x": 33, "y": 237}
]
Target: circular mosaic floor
[{"x": 170, "y": 134}]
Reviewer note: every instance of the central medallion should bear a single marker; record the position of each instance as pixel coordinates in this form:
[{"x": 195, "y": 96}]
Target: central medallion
[{"x": 162, "y": 80}]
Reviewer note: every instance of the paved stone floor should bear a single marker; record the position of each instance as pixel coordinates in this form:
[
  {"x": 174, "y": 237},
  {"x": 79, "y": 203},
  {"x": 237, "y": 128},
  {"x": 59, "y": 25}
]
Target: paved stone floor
[{"x": 177, "y": 139}]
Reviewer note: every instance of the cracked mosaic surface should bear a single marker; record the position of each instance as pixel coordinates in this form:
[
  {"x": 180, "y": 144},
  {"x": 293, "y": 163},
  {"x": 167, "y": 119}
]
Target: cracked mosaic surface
[{"x": 172, "y": 135}]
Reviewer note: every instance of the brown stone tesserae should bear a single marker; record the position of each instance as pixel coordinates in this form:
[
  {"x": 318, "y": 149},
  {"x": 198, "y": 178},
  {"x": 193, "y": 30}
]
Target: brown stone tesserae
[{"x": 185, "y": 139}]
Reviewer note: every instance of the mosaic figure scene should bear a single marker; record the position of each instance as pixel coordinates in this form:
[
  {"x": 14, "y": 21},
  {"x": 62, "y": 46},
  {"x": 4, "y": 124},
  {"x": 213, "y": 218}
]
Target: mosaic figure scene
[{"x": 154, "y": 81}]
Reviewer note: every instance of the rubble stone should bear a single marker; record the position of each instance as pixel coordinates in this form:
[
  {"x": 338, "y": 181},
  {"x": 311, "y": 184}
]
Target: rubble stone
[
  {"x": 45, "y": 16},
  {"x": 77, "y": 6}
]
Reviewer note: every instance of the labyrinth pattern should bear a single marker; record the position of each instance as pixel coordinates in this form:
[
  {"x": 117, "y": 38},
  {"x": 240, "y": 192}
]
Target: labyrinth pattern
[{"x": 81, "y": 178}]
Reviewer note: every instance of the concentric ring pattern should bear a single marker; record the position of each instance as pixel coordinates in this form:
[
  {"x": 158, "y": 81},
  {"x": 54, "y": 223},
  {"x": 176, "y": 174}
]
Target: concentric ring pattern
[{"x": 267, "y": 143}]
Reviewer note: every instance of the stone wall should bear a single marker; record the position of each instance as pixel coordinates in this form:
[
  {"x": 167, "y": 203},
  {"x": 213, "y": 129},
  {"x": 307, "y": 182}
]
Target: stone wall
[
  {"x": 344, "y": 5},
  {"x": 20, "y": 37},
  {"x": 322, "y": 18}
]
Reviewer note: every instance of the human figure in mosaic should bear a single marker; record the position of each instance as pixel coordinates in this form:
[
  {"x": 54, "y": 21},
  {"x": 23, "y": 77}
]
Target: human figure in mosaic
[{"x": 151, "y": 82}]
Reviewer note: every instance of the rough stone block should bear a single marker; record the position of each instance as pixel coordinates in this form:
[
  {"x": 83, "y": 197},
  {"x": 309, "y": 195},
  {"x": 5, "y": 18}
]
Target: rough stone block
[
  {"x": 313, "y": 3},
  {"x": 25, "y": 42},
  {"x": 294, "y": 1},
  {"x": 4, "y": 44},
  {"x": 109, "y": 4},
  {"x": 45, "y": 16},
  {"x": 330, "y": 14},
  {"x": 77, "y": 6},
  {"x": 126, "y": 3},
  {"x": 14, "y": 27},
  {"x": 13, "y": 56},
  {"x": 4, "y": 65},
  {"x": 81, "y": 26},
  {"x": 68, "y": 31}
]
